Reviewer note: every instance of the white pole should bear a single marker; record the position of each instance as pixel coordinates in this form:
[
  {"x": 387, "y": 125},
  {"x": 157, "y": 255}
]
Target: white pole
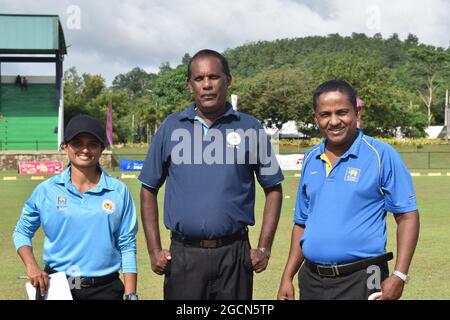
[
  {"x": 234, "y": 102},
  {"x": 447, "y": 113},
  {"x": 61, "y": 116},
  {"x": 446, "y": 108}
]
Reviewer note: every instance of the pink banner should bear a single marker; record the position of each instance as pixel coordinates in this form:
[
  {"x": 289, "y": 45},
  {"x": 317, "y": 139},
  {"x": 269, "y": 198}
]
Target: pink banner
[
  {"x": 109, "y": 124},
  {"x": 359, "y": 103},
  {"x": 40, "y": 167}
]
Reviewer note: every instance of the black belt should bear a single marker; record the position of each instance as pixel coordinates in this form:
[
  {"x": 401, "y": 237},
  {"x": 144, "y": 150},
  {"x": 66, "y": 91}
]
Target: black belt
[
  {"x": 211, "y": 243},
  {"x": 87, "y": 282},
  {"x": 339, "y": 270}
]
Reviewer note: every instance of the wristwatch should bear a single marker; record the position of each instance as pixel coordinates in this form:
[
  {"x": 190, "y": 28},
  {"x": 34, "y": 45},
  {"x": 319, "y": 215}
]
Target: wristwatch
[
  {"x": 265, "y": 251},
  {"x": 131, "y": 296},
  {"x": 401, "y": 275}
]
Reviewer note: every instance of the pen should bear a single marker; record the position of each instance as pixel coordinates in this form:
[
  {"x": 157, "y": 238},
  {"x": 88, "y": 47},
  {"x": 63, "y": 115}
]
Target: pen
[{"x": 26, "y": 277}]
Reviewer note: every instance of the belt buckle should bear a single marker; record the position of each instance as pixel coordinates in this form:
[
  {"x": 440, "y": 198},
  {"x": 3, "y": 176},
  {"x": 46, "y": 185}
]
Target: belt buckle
[
  {"x": 86, "y": 282},
  {"x": 328, "y": 271},
  {"x": 209, "y": 244}
]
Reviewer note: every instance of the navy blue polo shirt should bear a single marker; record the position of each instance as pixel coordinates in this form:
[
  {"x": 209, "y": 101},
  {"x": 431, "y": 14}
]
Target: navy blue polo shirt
[
  {"x": 344, "y": 212},
  {"x": 210, "y": 174}
]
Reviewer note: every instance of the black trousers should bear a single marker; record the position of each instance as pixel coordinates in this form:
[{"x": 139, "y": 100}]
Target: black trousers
[
  {"x": 223, "y": 273},
  {"x": 113, "y": 290},
  {"x": 110, "y": 291},
  {"x": 358, "y": 285}
]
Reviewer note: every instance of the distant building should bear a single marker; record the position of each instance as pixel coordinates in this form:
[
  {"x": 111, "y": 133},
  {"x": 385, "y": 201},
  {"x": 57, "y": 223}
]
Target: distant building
[
  {"x": 288, "y": 131},
  {"x": 436, "y": 132}
]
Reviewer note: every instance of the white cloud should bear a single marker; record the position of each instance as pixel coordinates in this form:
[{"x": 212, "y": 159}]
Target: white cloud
[{"x": 117, "y": 35}]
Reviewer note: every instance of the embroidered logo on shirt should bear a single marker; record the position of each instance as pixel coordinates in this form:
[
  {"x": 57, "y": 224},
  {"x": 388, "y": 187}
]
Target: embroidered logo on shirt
[
  {"x": 108, "y": 206},
  {"x": 233, "y": 139},
  {"x": 62, "y": 203},
  {"x": 313, "y": 172},
  {"x": 352, "y": 174}
]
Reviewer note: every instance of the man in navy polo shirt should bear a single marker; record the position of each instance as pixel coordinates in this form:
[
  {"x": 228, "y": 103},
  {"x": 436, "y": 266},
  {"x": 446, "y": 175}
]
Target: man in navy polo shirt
[
  {"x": 208, "y": 155},
  {"x": 348, "y": 183}
]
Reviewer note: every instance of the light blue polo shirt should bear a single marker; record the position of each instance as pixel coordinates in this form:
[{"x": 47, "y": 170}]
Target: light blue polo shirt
[
  {"x": 344, "y": 213},
  {"x": 90, "y": 234}
]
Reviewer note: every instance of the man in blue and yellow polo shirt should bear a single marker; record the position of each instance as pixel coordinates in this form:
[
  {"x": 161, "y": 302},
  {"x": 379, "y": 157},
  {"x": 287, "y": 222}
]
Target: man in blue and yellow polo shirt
[{"x": 348, "y": 183}]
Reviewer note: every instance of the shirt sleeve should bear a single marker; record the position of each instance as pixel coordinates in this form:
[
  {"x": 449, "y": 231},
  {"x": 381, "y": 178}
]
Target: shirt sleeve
[
  {"x": 29, "y": 220},
  {"x": 267, "y": 169},
  {"x": 126, "y": 238},
  {"x": 396, "y": 183},
  {"x": 302, "y": 200},
  {"x": 154, "y": 171}
]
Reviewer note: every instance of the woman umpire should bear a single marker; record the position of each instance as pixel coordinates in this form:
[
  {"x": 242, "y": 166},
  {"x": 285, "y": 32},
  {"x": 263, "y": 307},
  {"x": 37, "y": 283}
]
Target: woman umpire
[{"x": 89, "y": 221}]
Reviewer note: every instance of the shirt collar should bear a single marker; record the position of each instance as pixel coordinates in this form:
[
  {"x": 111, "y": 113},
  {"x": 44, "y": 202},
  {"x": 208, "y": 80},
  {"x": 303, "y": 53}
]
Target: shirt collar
[
  {"x": 189, "y": 112},
  {"x": 353, "y": 150},
  {"x": 103, "y": 184}
]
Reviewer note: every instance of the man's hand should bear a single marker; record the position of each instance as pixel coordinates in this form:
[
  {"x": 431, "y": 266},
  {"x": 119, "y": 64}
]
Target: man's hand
[
  {"x": 392, "y": 288},
  {"x": 159, "y": 260},
  {"x": 259, "y": 260},
  {"x": 286, "y": 290},
  {"x": 38, "y": 278}
]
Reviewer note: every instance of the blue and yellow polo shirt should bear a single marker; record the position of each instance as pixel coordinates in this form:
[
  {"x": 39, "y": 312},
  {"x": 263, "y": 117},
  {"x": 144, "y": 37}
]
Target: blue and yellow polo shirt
[
  {"x": 344, "y": 207},
  {"x": 90, "y": 234}
]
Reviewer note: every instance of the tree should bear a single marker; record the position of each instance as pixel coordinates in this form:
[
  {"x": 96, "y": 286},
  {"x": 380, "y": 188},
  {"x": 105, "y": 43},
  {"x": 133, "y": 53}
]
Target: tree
[
  {"x": 122, "y": 113},
  {"x": 149, "y": 117},
  {"x": 171, "y": 92},
  {"x": 276, "y": 96},
  {"x": 412, "y": 40},
  {"x": 186, "y": 58},
  {"x": 384, "y": 106},
  {"x": 73, "y": 101},
  {"x": 79, "y": 91},
  {"x": 88, "y": 94},
  {"x": 136, "y": 83},
  {"x": 428, "y": 64},
  {"x": 164, "y": 67},
  {"x": 93, "y": 85}
]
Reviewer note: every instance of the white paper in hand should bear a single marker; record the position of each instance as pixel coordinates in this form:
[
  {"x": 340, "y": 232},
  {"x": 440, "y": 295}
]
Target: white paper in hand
[
  {"x": 58, "y": 288},
  {"x": 374, "y": 296}
]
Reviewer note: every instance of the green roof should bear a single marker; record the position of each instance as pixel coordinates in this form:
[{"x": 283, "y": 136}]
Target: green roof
[{"x": 31, "y": 33}]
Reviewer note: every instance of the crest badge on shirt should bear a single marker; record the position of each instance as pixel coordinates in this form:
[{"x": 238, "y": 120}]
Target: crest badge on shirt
[
  {"x": 352, "y": 174},
  {"x": 233, "y": 139},
  {"x": 108, "y": 206},
  {"x": 62, "y": 203}
]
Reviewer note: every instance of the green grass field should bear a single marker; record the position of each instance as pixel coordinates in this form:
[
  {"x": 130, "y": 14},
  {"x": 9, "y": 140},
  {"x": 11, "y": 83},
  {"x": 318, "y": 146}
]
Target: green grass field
[{"x": 429, "y": 271}]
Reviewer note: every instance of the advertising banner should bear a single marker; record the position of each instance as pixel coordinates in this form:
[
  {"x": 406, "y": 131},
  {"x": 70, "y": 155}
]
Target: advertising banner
[
  {"x": 131, "y": 165},
  {"x": 40, "y": 167}
]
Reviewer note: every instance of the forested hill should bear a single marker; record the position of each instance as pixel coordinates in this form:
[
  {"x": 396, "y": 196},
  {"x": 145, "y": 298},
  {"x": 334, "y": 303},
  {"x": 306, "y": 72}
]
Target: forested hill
[
  {"x": 395, "y": 78},
  {"x": 401, "y": 82},
  {"x": 249, "y": 59}
]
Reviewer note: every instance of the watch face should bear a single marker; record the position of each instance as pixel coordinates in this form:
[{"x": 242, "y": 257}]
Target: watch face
[
  {"x": 265, "y": 251},
  {"x": 131, "y": 296}
]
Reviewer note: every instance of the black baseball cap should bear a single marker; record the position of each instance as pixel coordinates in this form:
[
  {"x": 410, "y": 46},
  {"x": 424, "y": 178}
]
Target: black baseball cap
[{"x": 84, "y": 123}]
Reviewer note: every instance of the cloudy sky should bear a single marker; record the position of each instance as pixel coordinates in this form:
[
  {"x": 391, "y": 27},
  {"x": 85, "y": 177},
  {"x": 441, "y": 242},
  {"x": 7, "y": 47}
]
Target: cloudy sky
[{"x": 112, "y": 37}]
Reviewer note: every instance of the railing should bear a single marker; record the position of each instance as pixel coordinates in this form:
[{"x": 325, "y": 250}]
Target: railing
[{"x": 426, "y": 160}]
